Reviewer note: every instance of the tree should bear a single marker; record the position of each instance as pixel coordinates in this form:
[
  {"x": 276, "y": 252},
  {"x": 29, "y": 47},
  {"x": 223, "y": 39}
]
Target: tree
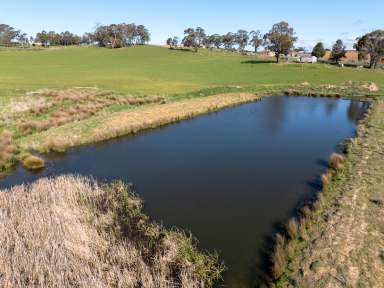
[
  {"x": 256, "y": 39},
  {"x": 22, "y": 38},
  {"x": 217, "y": 40},
  {"x": 8, "y": 34},
  {"x": 229, "y": 40},
  {"x": 42, "y": 37},
  {"x": 190, "y": 39},
  {"x": 318, "y": 50},
  {"x": 142, "y": 35},
  {"x": 338, "y": 51},
  {"x": 121, "y": 35},
  {"x": 372, "y": 45},
  {"x": 173, "y": 42},
  {"x": 200, "y": 36},
  {"x": 280, "y": 39},
  {"x": 241, "y": 39}
]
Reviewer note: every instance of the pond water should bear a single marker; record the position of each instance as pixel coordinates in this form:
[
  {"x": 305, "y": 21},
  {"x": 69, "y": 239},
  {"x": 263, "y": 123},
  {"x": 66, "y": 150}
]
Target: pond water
[{"x": 230, "y": 177}]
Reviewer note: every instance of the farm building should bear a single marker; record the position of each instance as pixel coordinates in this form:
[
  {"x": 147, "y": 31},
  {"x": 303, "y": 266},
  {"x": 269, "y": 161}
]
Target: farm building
[
  {"x": 350, "y": 56},
  {"x": 308, "y": 59}
]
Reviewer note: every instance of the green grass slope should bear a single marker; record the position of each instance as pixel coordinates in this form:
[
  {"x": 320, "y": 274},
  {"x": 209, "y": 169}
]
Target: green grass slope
[{"x": 156, "y": 70}]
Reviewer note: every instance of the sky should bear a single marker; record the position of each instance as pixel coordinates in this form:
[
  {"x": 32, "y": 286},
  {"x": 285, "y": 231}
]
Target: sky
[{"x": 313, "y": 21}]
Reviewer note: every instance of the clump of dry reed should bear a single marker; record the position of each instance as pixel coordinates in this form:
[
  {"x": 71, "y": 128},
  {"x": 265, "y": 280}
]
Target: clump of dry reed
[
  {"x": 7, "y": 150},
  {"x": 32, "y": 162},
  {"x": 336, "y": 161},
  {"x": 70, "y": 231}
]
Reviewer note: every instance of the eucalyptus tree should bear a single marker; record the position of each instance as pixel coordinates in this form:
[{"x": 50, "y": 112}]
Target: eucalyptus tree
[
  {"x": 217, "y": 40},
  {"x": 200, "y": 36},
  {"x": 280, "y": 39},
  {"x": 22, "y": 38},
  {"x": 173, "y": 42},
  {"x": 121, "y": 35},
  {"x": 241, "y": 39},
  {"x": 8, "y": 34},
  {"x": 256, "y": 39},
  {"x": 372, "y": 45},
  {"x": 190, "y": 39},
  {"x": 229, "y": 40}
]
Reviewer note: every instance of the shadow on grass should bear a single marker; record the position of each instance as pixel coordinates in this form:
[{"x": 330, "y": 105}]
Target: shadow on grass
[
  {"x": 182, "y": 50},
  {"x": 257, "y": 61}
]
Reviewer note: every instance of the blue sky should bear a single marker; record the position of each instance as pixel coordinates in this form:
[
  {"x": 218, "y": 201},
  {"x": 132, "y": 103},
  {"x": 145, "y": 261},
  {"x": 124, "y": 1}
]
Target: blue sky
[{"x": 325, "y": 20}]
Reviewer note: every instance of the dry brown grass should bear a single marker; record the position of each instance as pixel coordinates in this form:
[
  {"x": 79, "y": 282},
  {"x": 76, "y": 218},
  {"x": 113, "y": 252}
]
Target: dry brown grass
[
  {"x": 336, "y": 161},
  {"x": 80, "y": 104},
  {"x": 292, "y": 228},
  {"x": 72, "y": 232},
  {"x": 7, "y": 149}
]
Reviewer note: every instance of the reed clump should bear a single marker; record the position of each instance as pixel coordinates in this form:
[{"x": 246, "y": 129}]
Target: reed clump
[
  {"x": 73, "y": 231},
  {"x": 336, "y": 161},
  {"x": 32, "y": 162},
  {"x": 7, "y": 150}
]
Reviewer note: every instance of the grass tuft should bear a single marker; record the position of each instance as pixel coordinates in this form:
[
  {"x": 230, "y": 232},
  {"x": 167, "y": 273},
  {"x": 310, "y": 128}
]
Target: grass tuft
[
  {"x": 32, "y": 162},
  {"x": 292, "y": 228},
  {"x": 336, "y": 161}
]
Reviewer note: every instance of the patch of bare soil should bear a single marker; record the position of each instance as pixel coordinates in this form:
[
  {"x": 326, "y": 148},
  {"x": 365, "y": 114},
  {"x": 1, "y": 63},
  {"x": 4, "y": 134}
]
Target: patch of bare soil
[{"x": 347, "y": 249}]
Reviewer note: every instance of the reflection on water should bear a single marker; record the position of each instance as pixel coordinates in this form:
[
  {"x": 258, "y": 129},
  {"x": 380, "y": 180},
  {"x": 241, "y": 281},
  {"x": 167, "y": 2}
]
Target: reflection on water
[{"x": 231, "y": 177}]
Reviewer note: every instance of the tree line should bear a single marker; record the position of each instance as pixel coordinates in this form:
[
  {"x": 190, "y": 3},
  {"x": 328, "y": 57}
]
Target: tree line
[
  {"x": 112, "y": 36},
  {"x": 280, "y": 40},
  {"x": 197, "y": 38}
]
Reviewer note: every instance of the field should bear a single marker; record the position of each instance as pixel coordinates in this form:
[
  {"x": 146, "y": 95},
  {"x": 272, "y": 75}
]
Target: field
[
  {"x": 53, "y": 99},
  {"x": 151, "y": 70}
]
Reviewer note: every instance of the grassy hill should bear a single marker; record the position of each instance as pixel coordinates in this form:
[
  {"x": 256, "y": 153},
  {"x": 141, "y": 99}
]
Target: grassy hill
[{"x": 157, "y": 70}]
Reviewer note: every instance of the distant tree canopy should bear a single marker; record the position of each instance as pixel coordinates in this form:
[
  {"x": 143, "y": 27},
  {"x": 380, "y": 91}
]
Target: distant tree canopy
[
  {"x": 173, "y": 42},
  {"x": 338, "y": 51},
  {"x": 194, "y": 38},
  {"x": 197, "y": 38},
  {"x": 280, "y": 39},
  {"x": 52, "y": 38},
  {"x": 8, "y": 34},
  {"x": 372, "y": 45},
  {"x": 318, "y": 50},
  {"x": 241, "y": 39},
  {"x": 121, "y": 35}
]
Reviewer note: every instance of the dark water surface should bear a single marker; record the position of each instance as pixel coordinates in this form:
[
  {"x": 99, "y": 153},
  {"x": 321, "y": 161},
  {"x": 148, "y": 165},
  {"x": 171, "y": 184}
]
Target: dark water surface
[{"x": 228, "y": 177}]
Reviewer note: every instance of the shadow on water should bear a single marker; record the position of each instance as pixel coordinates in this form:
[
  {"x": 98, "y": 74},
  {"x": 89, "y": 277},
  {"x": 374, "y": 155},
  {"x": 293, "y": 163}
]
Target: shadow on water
[{"x": 233, "y": 178}]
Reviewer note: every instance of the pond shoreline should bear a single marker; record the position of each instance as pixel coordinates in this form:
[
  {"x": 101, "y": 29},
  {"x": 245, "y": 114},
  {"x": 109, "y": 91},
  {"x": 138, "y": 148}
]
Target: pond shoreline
[
  {"x": 304, "y": 254},
  {"x": 204, "y": 105}
]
